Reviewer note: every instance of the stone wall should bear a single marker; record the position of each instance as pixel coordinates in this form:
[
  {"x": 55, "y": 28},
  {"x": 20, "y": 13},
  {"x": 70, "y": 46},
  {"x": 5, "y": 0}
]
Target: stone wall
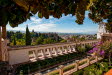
[
  {"x": 19, "y": 55},
  {"x": 107, "y": 36}
]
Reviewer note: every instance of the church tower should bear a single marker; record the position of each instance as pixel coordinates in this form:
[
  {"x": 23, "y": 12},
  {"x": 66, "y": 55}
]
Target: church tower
[{"x": 101, "y": 30}]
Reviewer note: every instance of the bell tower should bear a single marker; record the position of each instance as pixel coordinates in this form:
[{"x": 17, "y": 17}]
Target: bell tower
[{"x": 101, "y": 30}]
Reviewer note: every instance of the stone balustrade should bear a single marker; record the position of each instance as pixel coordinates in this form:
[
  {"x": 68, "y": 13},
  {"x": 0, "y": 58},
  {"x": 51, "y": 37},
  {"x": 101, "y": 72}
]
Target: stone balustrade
[
  {"x": 77, "y": 65},
  {"x": 18, "y": 55},
  {"x": 106, "y": 36}
]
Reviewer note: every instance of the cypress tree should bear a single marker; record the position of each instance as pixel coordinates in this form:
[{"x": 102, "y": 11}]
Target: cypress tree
[
  {"x": 14, "y": 43},
  {"x": 28, "y": 36}
]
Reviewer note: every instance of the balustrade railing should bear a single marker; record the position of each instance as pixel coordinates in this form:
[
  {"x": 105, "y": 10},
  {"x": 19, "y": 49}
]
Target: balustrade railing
[{"x": 77, "y": 65}]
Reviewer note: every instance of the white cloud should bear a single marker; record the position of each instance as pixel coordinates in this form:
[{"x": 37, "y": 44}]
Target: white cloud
[
  {"x": 33, "y": 19},
  {"x": 43, "y": 27},
  {"x": 40, "y": 27},
  {"x": 50, "y": 17},
  {"x": 16, "y": 28}
]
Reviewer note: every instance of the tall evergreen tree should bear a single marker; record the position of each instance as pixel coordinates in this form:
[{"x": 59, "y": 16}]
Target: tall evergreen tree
[
  {"x": 14, "y": 42},
  {"x": 28, "y": 36}
]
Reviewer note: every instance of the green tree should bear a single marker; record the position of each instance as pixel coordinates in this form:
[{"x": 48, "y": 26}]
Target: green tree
[
  {"x": 75, "y": 38},
  {"x": 14, "y": 42},
  {"x": 62, "y": 41},
  {"x": 47, "y": 41},
  {"x": 82, "y": 38},
  {"x": 39, "y": 40},
  {"x": 28, "y": 36}
]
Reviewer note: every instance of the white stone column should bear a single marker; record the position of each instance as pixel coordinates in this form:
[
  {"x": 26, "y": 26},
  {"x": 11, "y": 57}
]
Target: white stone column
[
  {"x": 63, "y": 51},
  {"x": 66, "y": 51},
  {"x": 55, "y": 49},
  {"x": 73, "y": 48},
  {"x": 60, "y": 50},
  {"x": 43, "y": 53},
  {"x": 70, "y": 49},
  {"x": 50, "y": 53}
]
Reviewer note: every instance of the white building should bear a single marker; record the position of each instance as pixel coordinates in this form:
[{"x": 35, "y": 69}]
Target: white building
[{"x": 101, "y": 30}]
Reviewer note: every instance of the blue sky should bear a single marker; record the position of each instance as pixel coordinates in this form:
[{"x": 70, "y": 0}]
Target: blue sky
[{"x": 65, "y": 24}]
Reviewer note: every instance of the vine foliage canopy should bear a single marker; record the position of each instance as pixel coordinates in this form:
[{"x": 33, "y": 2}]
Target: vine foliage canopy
[{"x": 18, "y": 11}]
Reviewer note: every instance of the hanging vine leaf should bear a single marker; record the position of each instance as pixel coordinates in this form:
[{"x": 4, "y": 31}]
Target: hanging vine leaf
[
  {"x": 18, "y": 11},
  {"x": 40, "y": 15}
]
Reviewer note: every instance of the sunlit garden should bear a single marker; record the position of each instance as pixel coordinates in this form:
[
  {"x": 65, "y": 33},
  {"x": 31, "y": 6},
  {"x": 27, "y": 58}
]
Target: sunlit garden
[
  {"x": 100, "y": 68},
  {"x": 54, "y": 18}
]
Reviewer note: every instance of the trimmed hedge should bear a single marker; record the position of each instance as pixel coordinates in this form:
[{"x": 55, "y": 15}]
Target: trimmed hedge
[
  {"x": 34, "y": 66},
  {"x": 82, "y": 63},
  {"x": 68, "y": 68},
  {"x": 55, "y": 73}
]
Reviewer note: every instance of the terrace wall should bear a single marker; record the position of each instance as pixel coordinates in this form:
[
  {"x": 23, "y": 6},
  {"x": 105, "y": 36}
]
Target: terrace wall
[
  {"x": 20, "y": 55},
  {"x": 107, "y": 36}
]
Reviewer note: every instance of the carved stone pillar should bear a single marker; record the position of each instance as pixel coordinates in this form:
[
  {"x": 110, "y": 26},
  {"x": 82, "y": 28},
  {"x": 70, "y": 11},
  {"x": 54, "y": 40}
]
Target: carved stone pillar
[
  {"x": 0, "y": 45},
  {"x": 43, "y": 53},
  {"x": 60, "y": 51},
  {"x": 61, "y": 69},
  {"x": 50, "y": 53},
  {"x": 77, "y": 65},
  {"x": 65, "y": 52},
  {"x": 74, "y": 48},
  {"x": 96, "y": 58},
  {"x": 70, "y": 49},
  {"x": 88, "y": 60},
  {"x": 56, "y": 51}
]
